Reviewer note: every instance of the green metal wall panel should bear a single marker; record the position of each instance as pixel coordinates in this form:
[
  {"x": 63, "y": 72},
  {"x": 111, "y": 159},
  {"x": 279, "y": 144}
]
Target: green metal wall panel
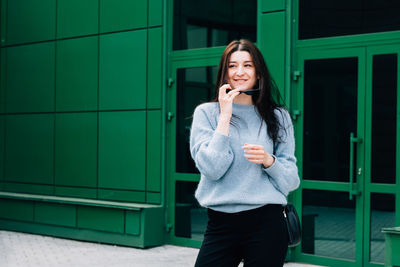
[
  {"x": 132, "y": 222},
  {"x": 2, "y": 134},
  {"x": 3, "y": 80},
  {"x": 29, "y": 148},
  {"x": 153, "y": 198},
  {"x": 35, "y": 92},
  {"x": 76, "y": 149},
  {"x": 16, "y": 210},
  {"x": 155, "y": 12},
  {"x": 123, "y": 70},
  {"x": 76, "y": 17},
  {"x": 102, "y": 219},
  {"x": 122, "y": 195},
  {"x": 272, "y": 41},
  {"x": 68, "y": 191},
  {"x": 77, "y": 74},
  {"x": 154, "y": 68},
  {"x": 28, "y": 188},
  {"x": 56, "y": 214},
  {"x": 118, "y": 15},
  {"x": 30, "y": 21},
  {"x": 272, "y": 5},
  {"x": 122, "y": 150},
  {"x": 154, "y": 150}
]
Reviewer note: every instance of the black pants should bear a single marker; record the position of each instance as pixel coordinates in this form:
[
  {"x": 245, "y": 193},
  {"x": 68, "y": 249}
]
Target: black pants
[{"x": 257, "y": 236}]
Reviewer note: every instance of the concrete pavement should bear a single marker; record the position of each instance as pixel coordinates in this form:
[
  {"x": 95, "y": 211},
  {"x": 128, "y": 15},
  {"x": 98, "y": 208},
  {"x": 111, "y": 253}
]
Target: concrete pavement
[{"x": 28, "y": 250}]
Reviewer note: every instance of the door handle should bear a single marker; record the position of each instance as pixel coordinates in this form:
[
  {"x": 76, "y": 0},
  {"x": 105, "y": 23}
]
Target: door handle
[{"x": 352, "y": 141}]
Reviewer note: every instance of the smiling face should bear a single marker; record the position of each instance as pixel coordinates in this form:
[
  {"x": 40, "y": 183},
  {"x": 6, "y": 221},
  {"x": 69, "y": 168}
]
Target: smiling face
[{"x": 241, "y": 71}]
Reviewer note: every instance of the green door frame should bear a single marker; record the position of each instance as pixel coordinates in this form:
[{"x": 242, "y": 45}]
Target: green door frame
[
  {"x": 308, "y": 54},
  {"x": 181, "y": 60},
  {"x": 364, "y": 119},
  {"x": 370, "y": 187}
]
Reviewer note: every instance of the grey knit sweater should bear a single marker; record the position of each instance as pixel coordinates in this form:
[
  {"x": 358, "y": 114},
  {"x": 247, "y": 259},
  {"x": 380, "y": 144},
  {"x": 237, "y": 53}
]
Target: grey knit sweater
[{"x": 229, "y": 182}]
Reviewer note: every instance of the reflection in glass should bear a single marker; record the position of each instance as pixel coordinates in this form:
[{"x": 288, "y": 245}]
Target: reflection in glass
[
  {"x": 210, "y": 23},
  {"x": 330, "y": 115},
  {"x": 320, "y": 18},
  {"x": 194, "y": 86},
  {"x": 384, "y": 104},
  {"x": 382, "y": 215},
  {"x": 190, "y": 218},
  {"x": 328, "y": 224}
]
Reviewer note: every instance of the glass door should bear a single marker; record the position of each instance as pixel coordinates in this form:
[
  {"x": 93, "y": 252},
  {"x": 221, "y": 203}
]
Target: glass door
[
  {"x": 192, "y": 83},
  {"x": 382, "y": 142},
  {"x": 348, "y": 147},
  {"x": 330, "y": 150}
]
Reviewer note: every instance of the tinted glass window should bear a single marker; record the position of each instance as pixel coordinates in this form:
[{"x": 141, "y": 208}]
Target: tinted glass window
[
  {"x": 211, "y": 23},
  {"x": 342, "y": 17}
]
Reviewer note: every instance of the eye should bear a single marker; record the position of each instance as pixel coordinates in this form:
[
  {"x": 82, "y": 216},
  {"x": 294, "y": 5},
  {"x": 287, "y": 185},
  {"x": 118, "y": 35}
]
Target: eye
[
  {"x": 231, "y": 66},
  {"x": 248, "y": 65}
]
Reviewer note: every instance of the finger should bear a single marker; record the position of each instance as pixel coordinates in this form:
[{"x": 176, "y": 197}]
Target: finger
[
  {"x": 250, "y": 146},
  {"x": 254, "y": 157},
  {"x": 232, "y": 94},
  {"x": 257, "y": 161},
  {"x": 255, "y": 152},
  {"x": 222, "y": 89}
]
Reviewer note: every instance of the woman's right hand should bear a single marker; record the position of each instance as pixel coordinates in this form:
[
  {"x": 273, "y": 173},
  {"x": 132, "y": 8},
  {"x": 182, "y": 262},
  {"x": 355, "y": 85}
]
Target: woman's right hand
[{"x": 225, "y": 100}]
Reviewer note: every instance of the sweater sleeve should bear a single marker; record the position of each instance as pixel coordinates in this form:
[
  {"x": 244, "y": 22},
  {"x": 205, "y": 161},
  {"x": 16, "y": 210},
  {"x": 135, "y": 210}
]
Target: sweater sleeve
[
  {"x": 283, "y": 172},
  {"x": 210, "y": 149}
]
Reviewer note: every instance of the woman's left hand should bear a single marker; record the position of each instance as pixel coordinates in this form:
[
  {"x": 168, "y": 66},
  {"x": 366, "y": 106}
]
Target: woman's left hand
[{"x": 257, "y": 154}]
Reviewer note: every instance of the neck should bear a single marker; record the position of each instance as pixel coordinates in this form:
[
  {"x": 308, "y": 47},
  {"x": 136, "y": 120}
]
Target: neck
[{"x": 243, "y": 99}]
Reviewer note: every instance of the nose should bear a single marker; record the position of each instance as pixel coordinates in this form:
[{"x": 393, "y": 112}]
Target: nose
[{"x": 240, "y": 70}]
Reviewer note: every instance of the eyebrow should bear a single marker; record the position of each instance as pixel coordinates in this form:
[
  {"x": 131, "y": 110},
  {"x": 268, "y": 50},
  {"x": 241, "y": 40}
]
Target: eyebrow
[{"x": 245, "y": 61}]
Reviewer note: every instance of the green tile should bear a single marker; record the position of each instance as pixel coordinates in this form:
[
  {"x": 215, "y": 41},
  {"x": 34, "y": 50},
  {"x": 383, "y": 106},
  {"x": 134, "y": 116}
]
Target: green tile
[
  {"x": 29, "y": 148},
  {"x": 16, "y": 210},
  {"x": 103, "y": 219},
  {"x": 153, "y": 198},
  {"x": 155, "y": 12},
  {"x": 118, "y": 15},
  {"x": 76, "y": 17},
  {"x": 132, "y": 222},
  {"x": 30, "y": 21},
  {"x": 77, "y": 74},
  {"x": 76, "y": 149},
  {"x": 35, "y": 92},
  {"x": 2, "y": 134},
  {"x": 122, "y": 150},
  {"x": 29, "y": 188},
  {"x": 273, "y": 45},
  {"x": 154, "y": 68},
  {"x": 57, "y": 214},
  {"x": 122, "y": 195},
  {"x": 272, "y": 5},
  {"x": 3, "y": 80},
  {"x": 3, "y": 22},
  {"x": 123, "y": 70},
  {"x": 153, "y": 150},
  {"x": 79, "y": 192}
]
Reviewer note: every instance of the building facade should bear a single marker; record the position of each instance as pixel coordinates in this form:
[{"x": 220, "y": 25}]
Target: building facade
[{"x": 96, "y": 99}]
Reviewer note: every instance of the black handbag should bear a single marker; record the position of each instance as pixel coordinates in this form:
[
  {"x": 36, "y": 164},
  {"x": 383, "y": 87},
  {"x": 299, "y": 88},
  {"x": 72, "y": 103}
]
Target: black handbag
[{"x": 293, "y": 225}]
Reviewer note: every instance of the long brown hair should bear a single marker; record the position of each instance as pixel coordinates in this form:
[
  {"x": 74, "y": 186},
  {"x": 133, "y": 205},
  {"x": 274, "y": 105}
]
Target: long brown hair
[{"x": 269, "y": 99}]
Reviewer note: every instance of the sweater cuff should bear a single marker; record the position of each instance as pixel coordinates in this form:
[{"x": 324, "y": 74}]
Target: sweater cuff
[
  {"x": 273, "y": 170},
  {"x": 219, "y": 142}
]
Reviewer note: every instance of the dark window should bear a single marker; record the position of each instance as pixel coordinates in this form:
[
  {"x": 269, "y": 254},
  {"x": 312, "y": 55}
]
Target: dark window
[
  {"x": 330, "y": 115},
  {"x": 194, "y": 86},
  {"x": 342, "y": 17},
  {"x": 384, "y": 104},
  {"x": 209, "y": 23}
]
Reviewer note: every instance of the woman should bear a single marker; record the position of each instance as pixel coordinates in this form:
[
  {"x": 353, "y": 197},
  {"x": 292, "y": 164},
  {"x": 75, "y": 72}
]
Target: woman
[{"x": 243, "y": 146}]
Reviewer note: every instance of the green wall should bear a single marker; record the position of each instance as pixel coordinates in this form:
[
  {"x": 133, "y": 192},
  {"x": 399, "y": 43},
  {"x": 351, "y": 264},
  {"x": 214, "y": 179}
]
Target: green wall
[
  {"x": 80, "y": 109},
  {"x": 80, "y": 119}
]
